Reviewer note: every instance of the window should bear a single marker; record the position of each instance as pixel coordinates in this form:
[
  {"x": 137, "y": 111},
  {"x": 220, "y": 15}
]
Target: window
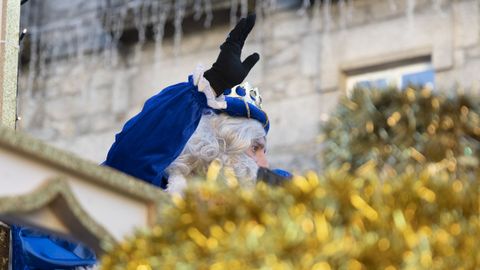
[{"x": 398, "y": 76}]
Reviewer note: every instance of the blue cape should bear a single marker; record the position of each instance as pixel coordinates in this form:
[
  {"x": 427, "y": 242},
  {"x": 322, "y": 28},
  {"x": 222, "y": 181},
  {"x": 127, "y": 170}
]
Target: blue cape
[
  {"x": 155, "y": 137},
  {"x": 34, "y": 250}
]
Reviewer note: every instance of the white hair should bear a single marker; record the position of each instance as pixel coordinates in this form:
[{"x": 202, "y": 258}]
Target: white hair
[{"x": 217, "y": 137}]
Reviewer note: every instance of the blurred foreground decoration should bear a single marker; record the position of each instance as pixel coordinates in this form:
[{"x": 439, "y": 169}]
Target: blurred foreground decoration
[
  {"x": 405, "y": 130},
  {"x": 401, "y": 193},
  {"x": 425, "y": 220}
]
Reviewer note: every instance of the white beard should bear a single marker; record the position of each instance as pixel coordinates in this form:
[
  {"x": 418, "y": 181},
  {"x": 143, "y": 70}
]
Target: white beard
[{"x": 177, "y": 184}]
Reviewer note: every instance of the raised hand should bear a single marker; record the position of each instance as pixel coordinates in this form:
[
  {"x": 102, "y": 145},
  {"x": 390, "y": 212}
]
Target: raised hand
[{"x": 229, "y": 70}]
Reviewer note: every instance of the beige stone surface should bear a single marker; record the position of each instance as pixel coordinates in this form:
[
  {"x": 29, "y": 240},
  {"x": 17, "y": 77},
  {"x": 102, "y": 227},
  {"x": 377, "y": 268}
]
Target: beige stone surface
[
  {"x": 9, "y": 35},
  {"x": 465, "y": 25},
  {"x": 304, "y": 60}
]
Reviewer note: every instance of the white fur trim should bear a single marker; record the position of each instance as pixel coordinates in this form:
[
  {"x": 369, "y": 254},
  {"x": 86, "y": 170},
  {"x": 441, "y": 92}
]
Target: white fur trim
[
  {"x": 176, "y": 184},
  {"x": 204, "y": 87}
]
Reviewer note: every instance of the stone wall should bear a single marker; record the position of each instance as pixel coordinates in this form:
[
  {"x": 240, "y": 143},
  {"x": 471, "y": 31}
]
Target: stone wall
[{"x": 80, "y": 104}]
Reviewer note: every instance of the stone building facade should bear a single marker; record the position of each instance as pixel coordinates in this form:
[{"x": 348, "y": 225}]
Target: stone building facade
[{"x": 307, "y": 57}]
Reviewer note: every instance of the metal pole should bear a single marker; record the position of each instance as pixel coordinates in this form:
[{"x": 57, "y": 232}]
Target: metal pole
[{"x": 9, "y": 34}]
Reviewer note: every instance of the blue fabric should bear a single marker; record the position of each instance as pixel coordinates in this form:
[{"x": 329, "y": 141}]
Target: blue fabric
[
  {"x": 155, "y": 137},
  {"x": 238, "y": 108},
  {"x": 33, "y": 250},
  {"x": 282, "y": 173}
]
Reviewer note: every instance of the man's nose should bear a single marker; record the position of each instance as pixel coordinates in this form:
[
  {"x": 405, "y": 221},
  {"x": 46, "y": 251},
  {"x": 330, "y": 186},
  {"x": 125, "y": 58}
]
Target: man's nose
[{"x": 262, "y": 160}]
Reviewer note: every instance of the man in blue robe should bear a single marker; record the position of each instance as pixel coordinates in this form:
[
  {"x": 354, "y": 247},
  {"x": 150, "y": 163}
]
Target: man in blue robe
[{"x": 162, "y": 144}]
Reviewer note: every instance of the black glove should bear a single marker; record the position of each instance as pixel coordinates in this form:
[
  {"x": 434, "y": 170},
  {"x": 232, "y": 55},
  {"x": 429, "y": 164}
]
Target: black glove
[
  {"x": 229, "y": 70},
  {"x": 271, "y": 178}
]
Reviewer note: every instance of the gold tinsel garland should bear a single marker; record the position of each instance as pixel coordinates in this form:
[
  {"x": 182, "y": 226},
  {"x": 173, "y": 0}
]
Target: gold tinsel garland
[
  {"x": 342, "y": 220},
  {"x": 404, "y": 129}
]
